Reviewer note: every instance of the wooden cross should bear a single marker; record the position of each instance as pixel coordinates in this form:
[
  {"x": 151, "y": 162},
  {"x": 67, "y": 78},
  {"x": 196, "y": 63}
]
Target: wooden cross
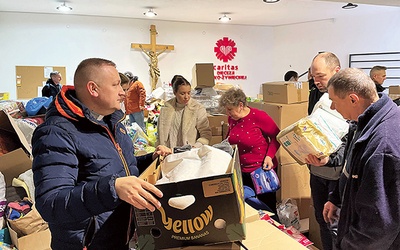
[{"x": 153, "y": 50}]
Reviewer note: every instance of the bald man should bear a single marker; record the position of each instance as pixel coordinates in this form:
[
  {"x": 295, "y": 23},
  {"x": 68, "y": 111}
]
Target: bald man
[
  {"x": 84, "y": 168},
  {"x": 325, "y": 172}
]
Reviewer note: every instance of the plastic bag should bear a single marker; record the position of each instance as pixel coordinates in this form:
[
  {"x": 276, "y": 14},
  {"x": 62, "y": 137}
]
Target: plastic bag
[
  {"x": 38, "y": 105},
  {"x": 288, "y": 213},
  {"x": 265, "y": 181}
]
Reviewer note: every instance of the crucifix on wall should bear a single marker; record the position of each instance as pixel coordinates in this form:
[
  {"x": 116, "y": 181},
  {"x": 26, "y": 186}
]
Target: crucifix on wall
[{"x": 153, "y": 50}]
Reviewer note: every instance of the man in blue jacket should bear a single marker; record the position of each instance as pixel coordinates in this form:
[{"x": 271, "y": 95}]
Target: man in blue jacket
[
  {"x": 369, "y": 187},
  {"x": 84, "y": 165}
]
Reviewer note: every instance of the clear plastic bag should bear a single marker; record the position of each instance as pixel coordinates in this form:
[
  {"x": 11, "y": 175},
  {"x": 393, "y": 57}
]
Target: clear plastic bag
[{"x": 288, "y": 213}]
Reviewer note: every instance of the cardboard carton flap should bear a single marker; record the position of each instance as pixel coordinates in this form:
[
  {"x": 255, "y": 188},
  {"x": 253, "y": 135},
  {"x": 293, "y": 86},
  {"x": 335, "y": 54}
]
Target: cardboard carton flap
[
  {"x": 13, "y": 164},
  {"x": 7, "y": 123}
]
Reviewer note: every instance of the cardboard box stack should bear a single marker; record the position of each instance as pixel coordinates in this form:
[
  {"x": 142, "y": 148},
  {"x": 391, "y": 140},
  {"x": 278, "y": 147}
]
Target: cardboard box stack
[
  {"x": 12, "y": 164},
  {"x": 219, "y": 128},
  {"x": 295, "y": 178},
  {"x": 216, "y": 216}
]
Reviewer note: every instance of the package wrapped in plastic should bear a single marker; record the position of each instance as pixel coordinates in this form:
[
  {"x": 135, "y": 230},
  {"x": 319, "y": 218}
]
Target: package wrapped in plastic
[
  {"x": 14, "y": 108},
  {"x": 318, "y": 134}
]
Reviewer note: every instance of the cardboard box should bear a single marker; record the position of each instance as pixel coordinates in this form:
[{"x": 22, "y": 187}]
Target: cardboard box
[
  {"x": 395, "y": 89},
  {"x": 216, "y": 123},
  {"x": 216, "y": 216},
  {"x": 283, "y": 115},
  {"x": 285, "y": 92},
  {"x": 261, "y": 235},
  {"x": 19, "y": 160},
  {"x": 215, "y": 139},
  {"x": 295, "y": 184},
  {"x": 36, "y": 241},
  {"x": 12, "y": 165},
  {"x": 203, "y": 75}
]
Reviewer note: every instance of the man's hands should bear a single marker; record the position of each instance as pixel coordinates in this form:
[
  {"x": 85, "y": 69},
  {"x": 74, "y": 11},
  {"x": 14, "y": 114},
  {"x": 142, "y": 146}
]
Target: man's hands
[
  {"x": 313, "y": 160},
  {"x": 138, "y": 193},
  {"x": 161, "y": 151},
  {"x": 330, "y": 212}
]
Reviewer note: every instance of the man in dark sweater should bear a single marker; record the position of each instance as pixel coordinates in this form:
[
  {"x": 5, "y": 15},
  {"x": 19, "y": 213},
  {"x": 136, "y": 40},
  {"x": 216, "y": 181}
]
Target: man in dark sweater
[{"x": 369, "y": 187}]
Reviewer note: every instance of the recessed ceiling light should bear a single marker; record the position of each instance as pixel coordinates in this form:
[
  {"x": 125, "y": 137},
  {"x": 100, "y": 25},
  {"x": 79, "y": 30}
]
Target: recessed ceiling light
[
  {"x": 150, "y": 13},
  {"x": 349, "y": 6},
  {"x": 224, "y": 18},
  {"x": 64, "y": 7},
  {"x": 271, "y": 1}
]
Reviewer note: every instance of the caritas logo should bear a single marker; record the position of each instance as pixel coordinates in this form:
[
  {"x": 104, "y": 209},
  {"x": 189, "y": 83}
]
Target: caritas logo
[{"x": 225, "y": 49}]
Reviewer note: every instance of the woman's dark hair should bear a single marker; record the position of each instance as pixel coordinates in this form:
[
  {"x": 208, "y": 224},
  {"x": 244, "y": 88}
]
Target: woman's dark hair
[{"x": 177, "y": 81}]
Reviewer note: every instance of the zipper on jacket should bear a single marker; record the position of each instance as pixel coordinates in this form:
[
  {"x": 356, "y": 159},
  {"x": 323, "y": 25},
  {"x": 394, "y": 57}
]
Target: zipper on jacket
[{"x": 126, "y": 168}]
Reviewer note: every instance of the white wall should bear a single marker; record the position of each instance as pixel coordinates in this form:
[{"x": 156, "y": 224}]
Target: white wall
[
  {"x": 65, "y": 40},
  {"x": 296, "y": 45},
  {"x": 264, "y": 53}
]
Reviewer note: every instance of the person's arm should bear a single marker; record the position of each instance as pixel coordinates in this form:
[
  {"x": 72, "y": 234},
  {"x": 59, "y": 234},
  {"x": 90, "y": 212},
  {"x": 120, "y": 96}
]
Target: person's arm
[
  {"x": 142, "y": 95},
  {"x": 270, "y": 130},
  {"x": 59, "y": 196},
  {"x": 376, "y": 213},
  {"x": 203, "y": 126}
]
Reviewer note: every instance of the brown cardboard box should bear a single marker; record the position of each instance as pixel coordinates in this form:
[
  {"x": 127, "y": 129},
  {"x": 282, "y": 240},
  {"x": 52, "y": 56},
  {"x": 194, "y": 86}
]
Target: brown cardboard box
[
  {"x": 12, "y": 165},
  {"x": 17, "y": 161},
  {"x": 295, "y": 183},
  {"x": 261, "y": 235},
  {"x": 283, "y": 115},
  {"x": 36, "y": 241},
  {"x": 395, "y": 89},
  {"x": 215, "y": 139},
  {"x": 218, "y": 200},
  {"x": 285, "y": 92},
  {"x": 203, "y": 75},
  {"x": 216, "y": 123}
]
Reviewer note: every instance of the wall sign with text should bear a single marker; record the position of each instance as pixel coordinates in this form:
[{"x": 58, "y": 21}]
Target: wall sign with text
[{"x": 225, "y": 50}]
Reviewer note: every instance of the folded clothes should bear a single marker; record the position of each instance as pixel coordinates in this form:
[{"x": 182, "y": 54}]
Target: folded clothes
[{"x": 18, "y": 209}]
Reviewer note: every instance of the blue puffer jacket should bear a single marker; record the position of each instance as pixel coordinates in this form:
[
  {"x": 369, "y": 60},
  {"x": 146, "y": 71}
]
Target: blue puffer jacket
[{"x": 76, "y": 161}]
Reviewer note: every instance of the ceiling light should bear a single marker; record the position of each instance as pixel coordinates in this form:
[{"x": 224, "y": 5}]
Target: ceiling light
[
  {"x": 150, "y": 13},
  {"x": 224, "y": 18},
  {"x": 271, "y": 1},
  {"x": 349, "y": 6},
  {"x": 64, "y": 7}
]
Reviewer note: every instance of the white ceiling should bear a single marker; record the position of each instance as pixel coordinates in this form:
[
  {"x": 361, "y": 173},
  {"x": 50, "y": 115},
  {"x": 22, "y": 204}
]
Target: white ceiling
[{"x": 242, "y": 12}]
